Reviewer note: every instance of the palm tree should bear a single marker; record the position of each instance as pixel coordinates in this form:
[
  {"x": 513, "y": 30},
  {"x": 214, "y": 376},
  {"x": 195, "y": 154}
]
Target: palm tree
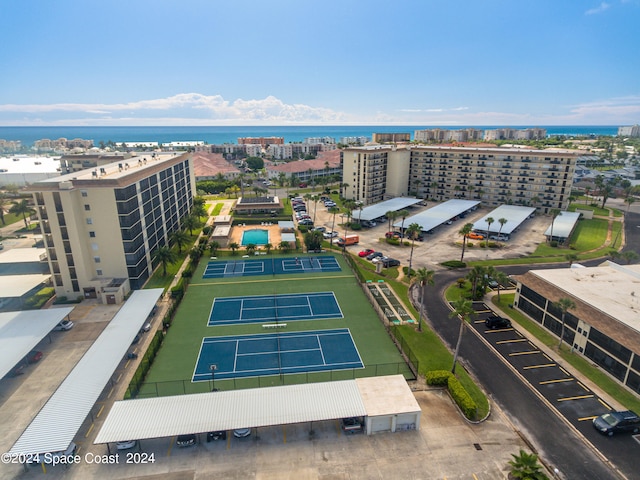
[
  {"x": 343, "y": 186},
  {"x": 199, "y": 210},
  {"x": 402, "y": 214},
  {"x": 629, "y": 200},
  {"x": 563, "y": 305},
  {"x": 213, "y": 247},
  {"x": 190, "y": 222},
  {"x": 587, "y": 190},
  {"x": 165, "y": 256},
  {"x": 284, "y": 247},
  {"x": 525, "y": 467},
  {"x": 433, "y": 186},
  {"x": 463, "y": 310},
  {"x": 412, "y": 232},
  {"x": 476, "y": 276},
  {"x": 179, "y": 238},
  {"x": 500, "y": 277},
  {"x": 21, "y": 208},
  {"x": 268, "y": 247},
  {"x": 333, "y": 211},
  {"x": 389, "y": 216},
  {"x": 250, "y": 248},
  {"x": 234, "y": 246},
  {"x": 465, "y": 231},
  {"x": 554, "y": 212},
  {"x": 489, "y": 221},
  {"x": 471, "y": 188},
  {"x": 501, "y": 221},
  {"x": 424, "y": 277}
]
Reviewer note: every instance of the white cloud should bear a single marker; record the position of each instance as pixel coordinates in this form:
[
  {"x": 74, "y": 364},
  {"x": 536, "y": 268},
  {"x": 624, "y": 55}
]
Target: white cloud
[{"x": 599, "y": 9}]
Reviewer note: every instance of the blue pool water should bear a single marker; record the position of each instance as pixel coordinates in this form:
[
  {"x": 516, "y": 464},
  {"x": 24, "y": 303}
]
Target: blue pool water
[{"x": 256, "y": 236}]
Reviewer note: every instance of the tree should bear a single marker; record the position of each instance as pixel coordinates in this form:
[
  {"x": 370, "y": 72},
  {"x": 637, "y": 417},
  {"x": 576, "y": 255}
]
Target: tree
[
  {"x": 489, "y": 221},
  {"x": 255, "y": 163},
  {"x": 284, "y": 247},
  {"x": 412, "y": 232},
  {"x": 571, "y": 257},
  {"x": 424, "y": 277},
  {"x": 195, "y": 253},
  {"x": 554, "y": 212},
  {"x": 476, "y": 276},
  {"x": 3, "y": 200},
  {"x": 250, "y": 248},
  {"x": 165, "y": 256},
  {"x": 333, "y": 211},
  {"x": 21, "y": 208},
  {"x": 234, "y": 246},
  {"x": 525, "y": 467},
  {"x": 343, "y": 186},
  {"x": 563, "y": 305},
  {"x": 214, "y": 245},
  {"x": 402, "y": 214},
  {"x": 629, "y": 200},
  {"x": 501, "y": 221},
  {"x": 179, "y": 238},
  {"x": 500, "y": 277},
  {"x": 463, "y": 310},
  {"x": 465, "y": 231},
  {"x": 190, "y": 222},
  {"x": 629, "y": 256},
  {"x": 313, "y": 240}
]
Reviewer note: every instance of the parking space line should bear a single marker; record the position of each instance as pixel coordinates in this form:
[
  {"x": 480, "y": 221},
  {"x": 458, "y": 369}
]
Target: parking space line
[
  {"x": 483, "y": 311},
  {"x": 530, "y": 352},
  {"x": 557, "y": 381},
  {"x": 579, "y": 397},
  {"x": 515, "y": 340},
  {"x": 170, "y": 446},
  {"x": 586, "y": 389},
  {"x": 89, "y": 431},
  {"x": 605, "y": 404},
  {"x": 544, "y": 365},
  {"x": 584, "y": 419},
  {"x": 499, "y": 330},
  {"x": 100, "y": 411},
  {"x": 284, "y": 434},
  {"x": 547, "y": 357},
  {"x": 565, "y": 372}
]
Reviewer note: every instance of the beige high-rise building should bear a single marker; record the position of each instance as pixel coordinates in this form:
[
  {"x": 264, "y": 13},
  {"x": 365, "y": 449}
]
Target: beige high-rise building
[
  {"x": 495, "y": 176},
  {"x": 102, "y": 226}
]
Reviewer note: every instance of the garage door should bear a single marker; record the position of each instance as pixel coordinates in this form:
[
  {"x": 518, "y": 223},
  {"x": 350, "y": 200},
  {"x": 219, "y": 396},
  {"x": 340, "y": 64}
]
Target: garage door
[
  {"x": 406, "y": 421},
  {"x": 381, "y": 424}
]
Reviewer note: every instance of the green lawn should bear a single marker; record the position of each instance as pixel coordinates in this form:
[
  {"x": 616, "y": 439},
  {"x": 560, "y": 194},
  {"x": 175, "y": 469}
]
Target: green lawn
[{"x": 176, "y": 359}]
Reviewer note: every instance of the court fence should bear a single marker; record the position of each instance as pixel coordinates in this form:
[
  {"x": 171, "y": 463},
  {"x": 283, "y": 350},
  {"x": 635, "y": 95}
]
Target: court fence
[{"x": 184, "y": 387}]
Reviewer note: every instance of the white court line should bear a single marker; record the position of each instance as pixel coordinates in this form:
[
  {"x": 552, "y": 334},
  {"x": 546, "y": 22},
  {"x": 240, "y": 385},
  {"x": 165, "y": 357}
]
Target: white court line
[
  {"x": 235, "y": 358},
  {"x": 309, "y": 304},
  {"x": 324, "y": 362}
]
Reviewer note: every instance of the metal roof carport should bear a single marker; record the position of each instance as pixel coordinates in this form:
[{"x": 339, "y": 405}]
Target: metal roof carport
[
  {"x": 59, "y": 420},
  {"x": 514, "y": 214},
  {"x": 441, "y": 213},
  {"x": 20, "y": 332},
  {"x": 563, "y": 226},
  {"x": 257, "y": 407},
  {"x": 378, "y": 210}
]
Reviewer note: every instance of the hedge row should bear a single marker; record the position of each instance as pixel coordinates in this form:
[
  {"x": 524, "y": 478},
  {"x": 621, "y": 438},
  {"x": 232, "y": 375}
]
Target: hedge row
[
  {"x": 40, "y": 298},
  {"x": 462, "y": 398}
]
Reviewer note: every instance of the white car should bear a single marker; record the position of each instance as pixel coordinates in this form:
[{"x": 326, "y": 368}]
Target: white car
[
  {"x": 241, "y": 432},
  {"x": 126, "y": 445},
  {"x": 64, "y": 325},
  {"x": 330, "y": 234}
]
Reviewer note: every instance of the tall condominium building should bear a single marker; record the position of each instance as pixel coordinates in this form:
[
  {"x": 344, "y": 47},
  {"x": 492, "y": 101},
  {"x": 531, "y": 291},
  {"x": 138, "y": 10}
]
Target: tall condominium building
[
  {"x": 495, "y": 176},
  {"x": 629, "y": 131},
  {"x": 101, "y": 226}
]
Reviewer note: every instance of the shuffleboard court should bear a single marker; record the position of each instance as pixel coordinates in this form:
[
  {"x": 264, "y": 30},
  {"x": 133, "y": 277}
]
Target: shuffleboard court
[
  {"x": 271, "y": 266},
  {"x": 276, "y": 354},
  {"x": 274, "y": 308}
]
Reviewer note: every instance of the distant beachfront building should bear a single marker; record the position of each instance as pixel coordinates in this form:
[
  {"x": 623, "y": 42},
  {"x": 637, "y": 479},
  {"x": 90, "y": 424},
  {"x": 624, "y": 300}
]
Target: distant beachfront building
[
  {"x": 353, "y": 140},
  {"x": 8, "y": 146},
  {"x": 102, "y": 226},
  {"x": 262, "y": 141},
  {"x": 144, "y": 145},
  {"x": 630, "y": 131},
  {"x": 436, "y": 135},
  {"x": 319, "y": 140},
  {"x": 62, "y": 144},
  {"x": 182, "y": 144},
  {"x": 391, "y": 137},
  {"x": 326, "y": 165},
  {"x": 493, "y": 175},
  {"x": 515, "y": 134}
]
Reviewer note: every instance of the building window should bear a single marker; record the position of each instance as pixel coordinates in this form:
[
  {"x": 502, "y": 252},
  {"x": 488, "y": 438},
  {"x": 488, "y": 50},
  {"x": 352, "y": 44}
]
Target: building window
[
  {"x": 83, "y": 193},
  {"x": 92, "y": 234},
  {"x": 96, "y": 259},
  {"x": 99, "y": 272},
  {"x": 89, "y": 221},
  {"x": 87, "y": 207}
]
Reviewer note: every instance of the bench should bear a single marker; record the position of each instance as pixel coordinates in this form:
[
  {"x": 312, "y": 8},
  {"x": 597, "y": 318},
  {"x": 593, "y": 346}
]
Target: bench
[{"x": 274, "y": 325}]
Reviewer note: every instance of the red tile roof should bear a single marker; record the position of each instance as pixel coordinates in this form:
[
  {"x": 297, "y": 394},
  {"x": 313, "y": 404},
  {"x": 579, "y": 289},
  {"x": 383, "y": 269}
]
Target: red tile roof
[
  {"x": 331, "y": 157},
  {"x": 210, "y": 164}
]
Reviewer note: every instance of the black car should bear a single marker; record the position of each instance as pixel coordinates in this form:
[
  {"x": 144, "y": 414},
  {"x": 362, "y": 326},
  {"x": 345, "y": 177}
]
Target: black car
[
  {"x": 373, "y": 255},
  {"x": 390, "y": 262},
  {"x": 616, "y": 422},
  {"x": 186, "y": 440},
  {"x": 497, "y": 322},
  {"x": 351, "y": 425},
  {"x": 218, "y": 435}
]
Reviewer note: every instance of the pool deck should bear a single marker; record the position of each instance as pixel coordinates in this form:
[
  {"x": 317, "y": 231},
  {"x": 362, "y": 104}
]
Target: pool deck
[{"x": 274, "y": 233}]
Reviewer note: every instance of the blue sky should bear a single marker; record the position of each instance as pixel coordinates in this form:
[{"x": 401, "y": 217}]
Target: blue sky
[{"x": 297, "y": 62}]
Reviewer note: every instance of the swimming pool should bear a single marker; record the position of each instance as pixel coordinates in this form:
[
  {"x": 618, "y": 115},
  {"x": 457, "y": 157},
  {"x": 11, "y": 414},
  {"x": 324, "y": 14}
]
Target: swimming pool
[{"x": 257, "y": 236}]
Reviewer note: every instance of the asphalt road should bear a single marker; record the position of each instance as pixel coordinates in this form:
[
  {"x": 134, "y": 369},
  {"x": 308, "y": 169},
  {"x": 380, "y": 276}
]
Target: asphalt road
[{"x": 559, "y": 446}]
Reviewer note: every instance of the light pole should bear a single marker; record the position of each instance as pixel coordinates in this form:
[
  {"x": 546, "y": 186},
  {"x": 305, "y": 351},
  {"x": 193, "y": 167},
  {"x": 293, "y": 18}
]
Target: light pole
[{"x": 213, "y": 367}]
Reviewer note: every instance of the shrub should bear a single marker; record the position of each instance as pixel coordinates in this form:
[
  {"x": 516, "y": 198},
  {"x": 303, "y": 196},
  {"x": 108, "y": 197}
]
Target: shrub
[
  {"x": 439, "y": 378},
  {"x": 206, "y": 230},
  {"x": 454, "y": 264},
  {"x": 406, "y": 271},
  {"x": 462, "y": 397},
  {"x": 303, "y": 228},
  {"x": 407, "y": 243},
  {"x": 356, "y": 226},
  {"x": 470, "y": 245},
  {"x": 393, "y": 241},
  {"x": 461, "y": 282},
  {"x": 553, "y": 243}
]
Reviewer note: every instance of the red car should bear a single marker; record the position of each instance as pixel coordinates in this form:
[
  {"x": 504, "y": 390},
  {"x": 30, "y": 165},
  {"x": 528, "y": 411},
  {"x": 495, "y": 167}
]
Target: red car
[
  {"x": 365, "y": 252},
  {"x": 34, "y": 356}
]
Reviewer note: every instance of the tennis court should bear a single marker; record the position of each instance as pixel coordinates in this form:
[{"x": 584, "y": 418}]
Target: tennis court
[
  {"x": 276, "y": 354},
  {"x": 274, "y": 308},
  {"x": 271, "y": 266}
]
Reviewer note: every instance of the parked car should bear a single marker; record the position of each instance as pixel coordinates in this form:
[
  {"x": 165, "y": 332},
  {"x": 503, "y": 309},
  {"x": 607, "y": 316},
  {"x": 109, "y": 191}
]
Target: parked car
[
  {"x": 126, "y": 445},
  {"x": 34, "y": 356},
  {"x": 390, "y": 262},
  {"x": 374, "y": 255},
  {"x": 365, "y": 252},
  {"x": 302, "y": 185},
  {"x": 351, "y": 425},
  {"x": 186, "y": 440},
  {"x": 64, "y": 325},
  {"x": 16, "y": 371},
  {"x": 368, "y": 223},
  {"x": 218, "y": 435},
  {"x": 617, "y": 422},
  {"x": 330, "y": 234},
  {"x": 306, "y": 221},
  {"x": 495, "y": 321},
  {"x": 241, "y": 432},
  {"x": 393, "y": 234},
  {"x": 320, "y": 229},
  {"x": 499, "y": 238},
  {"x": 475, "y": 236}
]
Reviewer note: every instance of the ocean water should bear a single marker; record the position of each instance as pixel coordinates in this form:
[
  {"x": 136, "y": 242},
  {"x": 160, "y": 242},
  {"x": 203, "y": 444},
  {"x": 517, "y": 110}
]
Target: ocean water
[{"x": 219, "y": 135}]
